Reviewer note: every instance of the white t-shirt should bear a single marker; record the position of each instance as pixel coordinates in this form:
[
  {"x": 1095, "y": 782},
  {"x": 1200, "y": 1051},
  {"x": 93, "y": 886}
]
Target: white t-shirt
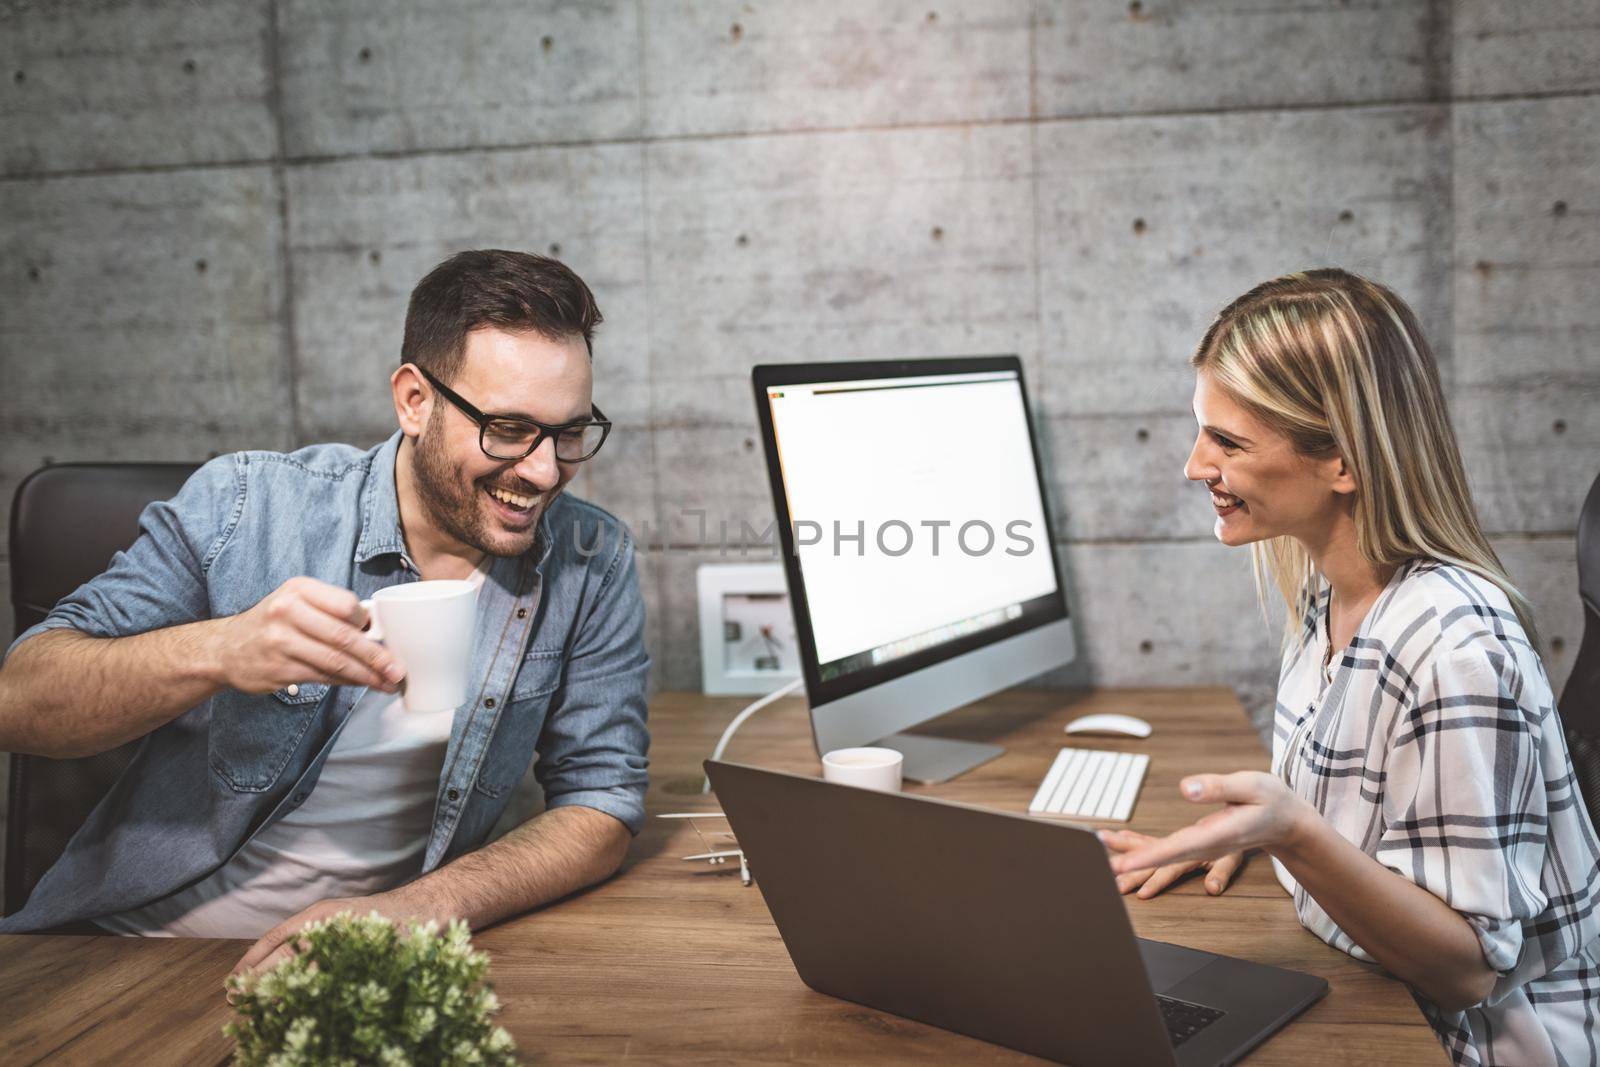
[{"x": 362, "y": 830}]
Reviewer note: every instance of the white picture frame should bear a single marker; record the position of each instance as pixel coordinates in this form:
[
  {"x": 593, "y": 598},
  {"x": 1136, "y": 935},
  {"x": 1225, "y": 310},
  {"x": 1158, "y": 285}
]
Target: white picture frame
[{"x": 716, "y": 582}]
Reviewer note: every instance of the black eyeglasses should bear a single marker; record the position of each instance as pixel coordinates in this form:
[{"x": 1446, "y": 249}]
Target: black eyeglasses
[{"x": 513, "y": 437}]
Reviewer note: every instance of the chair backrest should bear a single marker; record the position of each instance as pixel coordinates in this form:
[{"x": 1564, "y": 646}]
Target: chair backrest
[
  {"x": 1580, "y": 699},
  {"x": 67, "y": 522}
]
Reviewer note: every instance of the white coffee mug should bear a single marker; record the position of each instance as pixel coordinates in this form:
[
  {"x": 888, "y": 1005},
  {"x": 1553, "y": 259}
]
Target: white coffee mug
[
  {"x": 428, "y": 626},
  {"x": 869, "y": 768}
]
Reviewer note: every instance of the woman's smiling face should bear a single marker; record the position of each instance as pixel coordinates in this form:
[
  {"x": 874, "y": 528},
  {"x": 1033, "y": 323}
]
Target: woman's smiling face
[{"x": 1260, "y": 486}]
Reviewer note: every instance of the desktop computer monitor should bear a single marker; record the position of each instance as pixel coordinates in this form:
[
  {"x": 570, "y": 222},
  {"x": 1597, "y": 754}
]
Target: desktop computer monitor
[{"x": 920, "y": 559}]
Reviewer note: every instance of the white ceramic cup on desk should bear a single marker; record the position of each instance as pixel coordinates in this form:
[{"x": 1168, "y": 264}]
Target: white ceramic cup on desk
[
  {"x": 869, "y": 768},
  {"x": 428, "y": 625}
]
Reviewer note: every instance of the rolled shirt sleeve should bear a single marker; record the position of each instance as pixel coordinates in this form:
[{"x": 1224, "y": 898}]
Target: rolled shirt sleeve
[
  {"x": 594, "y": 745},
  {"x": 1465, "y": 802},
  {"x": 160, "y": 580}
]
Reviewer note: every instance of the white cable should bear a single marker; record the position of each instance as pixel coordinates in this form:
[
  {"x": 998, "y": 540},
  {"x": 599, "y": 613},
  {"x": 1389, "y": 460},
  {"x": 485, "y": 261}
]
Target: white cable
[{"x": 738, "y": 720}]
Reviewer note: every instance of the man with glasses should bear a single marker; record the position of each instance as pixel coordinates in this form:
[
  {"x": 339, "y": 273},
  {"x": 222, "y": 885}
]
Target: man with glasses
[{"x": 280, "y": 779}]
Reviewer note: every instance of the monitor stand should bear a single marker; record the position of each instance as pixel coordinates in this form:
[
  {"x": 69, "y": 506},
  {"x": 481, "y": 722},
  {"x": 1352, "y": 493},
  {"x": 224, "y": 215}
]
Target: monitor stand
[{"x": 929, "y": 760}]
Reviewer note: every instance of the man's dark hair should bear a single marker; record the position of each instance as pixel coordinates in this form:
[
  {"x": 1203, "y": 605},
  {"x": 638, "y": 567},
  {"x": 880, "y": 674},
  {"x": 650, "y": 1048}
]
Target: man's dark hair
[{"x": 493, "y": 287}]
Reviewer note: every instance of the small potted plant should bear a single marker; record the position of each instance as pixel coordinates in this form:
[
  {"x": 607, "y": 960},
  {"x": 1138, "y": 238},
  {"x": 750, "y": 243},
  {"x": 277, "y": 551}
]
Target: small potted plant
[{"x": 360, "y": 991}]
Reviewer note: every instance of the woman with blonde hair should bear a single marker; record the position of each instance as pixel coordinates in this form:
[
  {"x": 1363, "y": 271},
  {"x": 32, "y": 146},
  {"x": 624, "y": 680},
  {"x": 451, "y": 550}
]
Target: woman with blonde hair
[{"x": 1422, "y": 809}]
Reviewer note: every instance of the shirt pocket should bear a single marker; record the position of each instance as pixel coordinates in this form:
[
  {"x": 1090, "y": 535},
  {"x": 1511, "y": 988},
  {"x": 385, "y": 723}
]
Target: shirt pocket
[
  {"x": 253, "y": 737},
  {"x": 517, "y": 730}
]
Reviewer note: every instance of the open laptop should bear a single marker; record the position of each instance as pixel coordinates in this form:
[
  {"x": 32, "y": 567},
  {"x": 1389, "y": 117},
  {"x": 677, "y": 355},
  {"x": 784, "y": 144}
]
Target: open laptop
[{"x": 1003, "y": 927}]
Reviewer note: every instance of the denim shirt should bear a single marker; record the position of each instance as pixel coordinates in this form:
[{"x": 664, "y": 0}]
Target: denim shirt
[{"x": 558, "y": 663}]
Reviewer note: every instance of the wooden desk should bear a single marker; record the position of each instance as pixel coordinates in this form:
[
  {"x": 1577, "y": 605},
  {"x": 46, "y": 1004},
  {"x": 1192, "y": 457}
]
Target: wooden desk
[{"x": 673, "y": 961}]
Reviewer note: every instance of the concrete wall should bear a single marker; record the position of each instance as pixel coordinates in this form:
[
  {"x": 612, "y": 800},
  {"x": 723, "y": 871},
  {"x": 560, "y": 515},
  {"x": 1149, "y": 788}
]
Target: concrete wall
[{"x": 211, "y": 216}]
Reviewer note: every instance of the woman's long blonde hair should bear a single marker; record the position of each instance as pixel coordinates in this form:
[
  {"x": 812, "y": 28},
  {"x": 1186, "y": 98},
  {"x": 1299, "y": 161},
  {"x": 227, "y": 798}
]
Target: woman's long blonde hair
[{"x": 1337, "y": 363}]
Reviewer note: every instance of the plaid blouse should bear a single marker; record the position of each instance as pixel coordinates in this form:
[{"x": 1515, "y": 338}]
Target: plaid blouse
[{"x": 1434, "y": 745}]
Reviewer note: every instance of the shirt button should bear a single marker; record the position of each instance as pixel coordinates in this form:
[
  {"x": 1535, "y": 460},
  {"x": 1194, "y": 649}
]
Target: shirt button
[
  {"x": 522, "y": 613},
  {"x": 453, "y": 794},
  {"x": 300, "y": 798},
  {"x": 488, "y": 702},
  {"x": 293, "y": 690}
]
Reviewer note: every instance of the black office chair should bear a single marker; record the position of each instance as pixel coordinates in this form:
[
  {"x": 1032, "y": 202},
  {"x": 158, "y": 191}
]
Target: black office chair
[
  {"x": 1580, "y": 700},
  {"x": 67, "y": 522}
]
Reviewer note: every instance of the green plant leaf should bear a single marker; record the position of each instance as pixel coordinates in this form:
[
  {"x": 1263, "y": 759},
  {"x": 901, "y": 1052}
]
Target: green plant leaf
[{"x": 361, "y": 992}]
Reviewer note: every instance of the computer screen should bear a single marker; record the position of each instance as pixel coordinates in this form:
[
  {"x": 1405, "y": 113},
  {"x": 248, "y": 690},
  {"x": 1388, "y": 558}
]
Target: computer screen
[{"x": 913, "y": 513}]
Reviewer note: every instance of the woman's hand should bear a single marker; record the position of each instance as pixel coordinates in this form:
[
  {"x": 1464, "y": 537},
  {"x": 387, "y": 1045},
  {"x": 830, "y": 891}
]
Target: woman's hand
[
  {"x": 1152, "y": 880},
  {"x": 1261, "y": 812}
]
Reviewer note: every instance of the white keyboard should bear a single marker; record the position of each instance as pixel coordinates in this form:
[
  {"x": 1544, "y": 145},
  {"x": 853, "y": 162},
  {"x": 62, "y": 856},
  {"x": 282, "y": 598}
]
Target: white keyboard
[{"x": 1086, "y": 783}]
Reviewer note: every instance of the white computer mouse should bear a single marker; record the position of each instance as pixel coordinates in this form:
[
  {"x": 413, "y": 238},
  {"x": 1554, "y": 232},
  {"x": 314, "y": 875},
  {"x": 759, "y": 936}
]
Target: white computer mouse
[{"x": 1121, "y": 725}]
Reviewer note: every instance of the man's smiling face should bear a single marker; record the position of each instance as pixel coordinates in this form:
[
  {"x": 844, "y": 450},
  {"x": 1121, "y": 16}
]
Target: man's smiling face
[{"x": 494, "y": 505}]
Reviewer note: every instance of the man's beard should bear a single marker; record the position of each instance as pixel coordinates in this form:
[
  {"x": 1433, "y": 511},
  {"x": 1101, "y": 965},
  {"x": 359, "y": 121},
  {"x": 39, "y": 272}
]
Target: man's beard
[{"x": 454, "y": 507}]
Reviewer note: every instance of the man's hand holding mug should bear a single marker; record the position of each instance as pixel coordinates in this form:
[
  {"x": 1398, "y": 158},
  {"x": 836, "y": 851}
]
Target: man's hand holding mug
[{"x": 304, "y": 631}]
